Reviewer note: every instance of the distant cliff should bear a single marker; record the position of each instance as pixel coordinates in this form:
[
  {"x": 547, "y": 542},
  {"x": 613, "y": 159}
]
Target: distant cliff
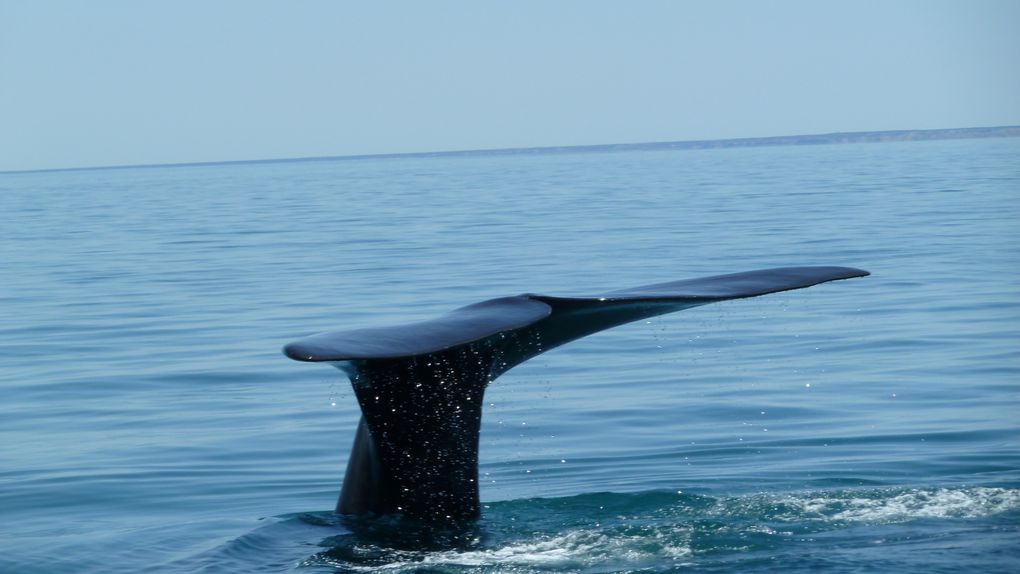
[{"x": 813, "y": 139}]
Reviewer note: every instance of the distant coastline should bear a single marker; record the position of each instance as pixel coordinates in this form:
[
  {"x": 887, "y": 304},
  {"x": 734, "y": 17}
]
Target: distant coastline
[
  {"x": 811, "y": 139},
  {"x": 795, "y": 140}
]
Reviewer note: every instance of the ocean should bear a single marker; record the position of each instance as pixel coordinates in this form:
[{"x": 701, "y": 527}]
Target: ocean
[{"x": 151, "y": 424}]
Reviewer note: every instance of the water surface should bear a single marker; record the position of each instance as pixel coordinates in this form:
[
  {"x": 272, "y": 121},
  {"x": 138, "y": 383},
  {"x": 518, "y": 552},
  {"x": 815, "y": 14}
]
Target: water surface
[{"x": 150, "y": 422}]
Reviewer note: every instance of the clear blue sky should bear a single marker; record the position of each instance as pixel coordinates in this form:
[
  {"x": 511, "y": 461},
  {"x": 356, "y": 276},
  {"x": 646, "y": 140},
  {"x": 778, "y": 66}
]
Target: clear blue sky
[{"x": 88, "y": 83}]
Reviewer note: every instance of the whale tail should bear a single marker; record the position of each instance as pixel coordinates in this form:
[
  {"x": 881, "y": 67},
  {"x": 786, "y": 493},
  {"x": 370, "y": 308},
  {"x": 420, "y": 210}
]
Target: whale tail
[{"x": 420, "y": 386}]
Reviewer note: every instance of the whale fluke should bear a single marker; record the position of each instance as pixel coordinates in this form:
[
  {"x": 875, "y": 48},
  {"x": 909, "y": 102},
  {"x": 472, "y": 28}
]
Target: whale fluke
[{"x": 420, "y": 385}]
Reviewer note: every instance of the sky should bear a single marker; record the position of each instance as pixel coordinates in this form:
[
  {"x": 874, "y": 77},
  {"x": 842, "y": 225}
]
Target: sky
[{"x": 129, "y": 82}]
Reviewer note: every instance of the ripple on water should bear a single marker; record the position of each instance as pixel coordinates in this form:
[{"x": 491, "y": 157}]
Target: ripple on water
[{"x": 608, "y": 532}]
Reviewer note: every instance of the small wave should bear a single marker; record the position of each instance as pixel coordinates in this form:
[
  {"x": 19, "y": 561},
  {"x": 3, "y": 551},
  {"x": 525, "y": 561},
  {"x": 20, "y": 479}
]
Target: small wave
[
  {"x": 570, "y": 550},
  {"x": 885, "y": 506},
  {"x": 610, "y": 532}
]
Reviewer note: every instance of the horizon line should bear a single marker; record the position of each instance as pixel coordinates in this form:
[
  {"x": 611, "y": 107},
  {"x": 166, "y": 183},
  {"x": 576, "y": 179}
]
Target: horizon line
[{"x": 785, "y": 140}]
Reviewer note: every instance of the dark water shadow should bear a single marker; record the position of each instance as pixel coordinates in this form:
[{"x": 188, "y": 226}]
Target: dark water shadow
[{"x": 368, "y": 541}]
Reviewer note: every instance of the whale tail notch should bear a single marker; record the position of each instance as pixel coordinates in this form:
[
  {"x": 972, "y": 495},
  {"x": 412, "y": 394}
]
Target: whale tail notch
[{"x": 421, "y": 386}]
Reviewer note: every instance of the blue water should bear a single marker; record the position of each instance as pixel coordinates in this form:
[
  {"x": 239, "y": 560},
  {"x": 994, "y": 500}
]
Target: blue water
[{"x": 150, "y": 422}]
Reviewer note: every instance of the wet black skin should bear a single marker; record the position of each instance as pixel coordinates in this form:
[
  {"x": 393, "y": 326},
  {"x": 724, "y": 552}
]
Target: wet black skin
[{"x": 421, "y": 386}]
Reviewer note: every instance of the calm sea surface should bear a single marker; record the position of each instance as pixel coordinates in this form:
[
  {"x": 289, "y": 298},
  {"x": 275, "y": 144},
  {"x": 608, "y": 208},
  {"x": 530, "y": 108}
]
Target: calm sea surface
[{"x": 151, "y": 424}]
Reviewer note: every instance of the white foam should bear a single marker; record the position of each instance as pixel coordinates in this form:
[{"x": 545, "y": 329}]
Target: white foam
[
  {"x": 872, "y": 506},
  {"x": 578, "y": 548},
  {"x": 625, "y": 546},
  {"x": 568, "y": 550}
]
